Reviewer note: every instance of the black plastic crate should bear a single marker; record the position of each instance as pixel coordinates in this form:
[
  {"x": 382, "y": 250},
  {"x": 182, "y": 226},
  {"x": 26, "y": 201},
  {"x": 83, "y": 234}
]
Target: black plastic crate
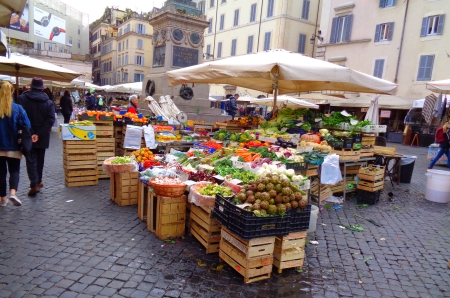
[
  {"x": 357, "y": 138},
  {"x": 347, "y": 143},
  {"x": 245, "y": 224},
  {"x": 300, "y": 219},
  {"x": 367, "y": 197},
  {"x": 296, "y": 130},
  {"x": 297, "y": 166}
]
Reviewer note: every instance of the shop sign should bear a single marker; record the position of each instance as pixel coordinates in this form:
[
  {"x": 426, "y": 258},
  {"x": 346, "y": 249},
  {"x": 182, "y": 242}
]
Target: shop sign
[
  {"x": 385, "y": 114},
  {"x": 364, "y": 110}
]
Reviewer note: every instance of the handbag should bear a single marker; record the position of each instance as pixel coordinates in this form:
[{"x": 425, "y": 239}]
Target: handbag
[{"x": 23, "y": 135}]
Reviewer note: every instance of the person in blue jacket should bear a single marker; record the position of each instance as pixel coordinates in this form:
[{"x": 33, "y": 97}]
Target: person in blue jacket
[{"x": 10, "y": 115}]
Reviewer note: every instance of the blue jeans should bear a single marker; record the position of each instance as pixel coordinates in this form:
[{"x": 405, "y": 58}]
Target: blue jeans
[
  {"x": 441, "y": 152},
  {"x": 11, "y": 165}
]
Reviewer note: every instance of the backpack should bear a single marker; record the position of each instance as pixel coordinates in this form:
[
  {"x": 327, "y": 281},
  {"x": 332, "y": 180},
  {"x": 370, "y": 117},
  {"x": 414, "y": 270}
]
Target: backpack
[{"x": 228, "y": 107}]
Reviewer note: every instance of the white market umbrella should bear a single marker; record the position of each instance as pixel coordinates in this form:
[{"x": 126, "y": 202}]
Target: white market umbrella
[
  {"x": 126, "y": 88},
  {"x": 373, "y": 113},
  {"x": 9, "y": 6},
  {"x": 23, "y": 66},
  {"x": 280, "y": 71},
  {"x": 384, "y": 102},
  {"x": 288, "y": 100},
  {"x": 442, "y": 87}
]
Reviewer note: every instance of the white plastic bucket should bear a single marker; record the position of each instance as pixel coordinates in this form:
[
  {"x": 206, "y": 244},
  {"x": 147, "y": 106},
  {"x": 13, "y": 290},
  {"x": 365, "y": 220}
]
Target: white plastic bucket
[
  {"x": 313, "y": 219},
  {"x": 438, "y": 186}
]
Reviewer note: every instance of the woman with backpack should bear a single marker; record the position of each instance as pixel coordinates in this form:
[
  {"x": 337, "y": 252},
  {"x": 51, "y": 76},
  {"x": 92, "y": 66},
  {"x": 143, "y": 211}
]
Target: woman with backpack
[{"x": 442, "y": 137}]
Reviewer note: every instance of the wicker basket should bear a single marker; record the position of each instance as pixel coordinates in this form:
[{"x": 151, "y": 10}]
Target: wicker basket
[{"x": 171, "y": 191}]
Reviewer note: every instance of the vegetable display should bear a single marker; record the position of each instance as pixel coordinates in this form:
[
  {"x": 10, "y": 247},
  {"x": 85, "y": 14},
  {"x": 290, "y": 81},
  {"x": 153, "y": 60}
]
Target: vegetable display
[
  {"x": 225, "y": 168},
  {"x": 213, "y": 189}
]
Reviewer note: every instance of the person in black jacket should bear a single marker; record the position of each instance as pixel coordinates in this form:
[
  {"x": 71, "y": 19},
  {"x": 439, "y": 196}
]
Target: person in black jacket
[
  {"x": 41, "y": 112},
  {"x": 91, "y": 103},
  {"x": 66, "y": 106}
]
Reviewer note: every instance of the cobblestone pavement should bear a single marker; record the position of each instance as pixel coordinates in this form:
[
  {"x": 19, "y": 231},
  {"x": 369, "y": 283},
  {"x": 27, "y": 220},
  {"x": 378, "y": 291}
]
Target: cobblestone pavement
[{"x": 74, "y": 242}]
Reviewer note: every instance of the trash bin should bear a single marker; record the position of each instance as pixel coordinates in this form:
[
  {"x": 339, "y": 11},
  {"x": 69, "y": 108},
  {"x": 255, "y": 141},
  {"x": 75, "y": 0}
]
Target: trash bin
[
  {"x": 438, "y": 186},
  {"x": 407, "y": 168}
]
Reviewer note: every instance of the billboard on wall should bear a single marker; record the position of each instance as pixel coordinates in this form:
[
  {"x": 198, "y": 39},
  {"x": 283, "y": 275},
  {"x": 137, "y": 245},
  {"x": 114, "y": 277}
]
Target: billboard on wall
[
  {"x": 49, "y": 26},
  {"x": 20, "y": 22}
]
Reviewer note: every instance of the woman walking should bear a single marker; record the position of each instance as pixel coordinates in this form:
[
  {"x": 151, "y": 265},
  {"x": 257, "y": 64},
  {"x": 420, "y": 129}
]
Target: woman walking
[
  {"x": 66, "y": 106},
  {"x": 443, "y": 140},
  {"x": 10, "y": 115}
]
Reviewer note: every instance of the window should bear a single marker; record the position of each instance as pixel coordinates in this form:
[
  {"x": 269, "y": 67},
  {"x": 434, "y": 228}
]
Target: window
[
  {"x": 123, "y": 60},
  {"x": 208, "y": 51},
  {"x": 138, "y": 77},
  {"x": 50, "y": 47},
  {"x": 270, "y": 9},
  {"x": 253, "y": 13},
  {"x": 70, "y": 40},
  {"x": 210, "y": 25},
  {"x": 125, "y": 77},
  {"x": 222, "y": 22},
  {"x": 267, "y": 41},
  {"x": 250, "y": 44},
  {"x": 126, "y": 59},
  {"x": 433, "y": 25},
  {"x": 70, "y": 50},
  {"x": 236, "y": 18},
  {"x": 118, "y": 77},
  {"x": 384, "y": 32},
  {"x": 378, "y": 69},
  {"x": 302, "y": 43},
  {"x": 60, "y": 49},
  {"x": 140, "y": 44},
  {"x": 219, "y": 50},
  {"x": 39, "y": 45},
  {"x": 224, "y": 1},
  {"x": 425, "y": 68},
  {"x": 140, "y": 28},
  {"x": 387, "y": 3},
  {"x": 126, "y": 44},
  {"x": 211, "y": 3},
  {"x": 120, "y": 32},
  {"x": 79, "y": 44},
  {"x": 139, "y": 60},
  {"x": 118, "y": 61},
  {"x": 233, "y": 47},
  {"x": 119, "y": 48},
  {"x": 305, "y": 10},
  {"x": 79, "y": 30},
  {"x": 341, "y": 29}
]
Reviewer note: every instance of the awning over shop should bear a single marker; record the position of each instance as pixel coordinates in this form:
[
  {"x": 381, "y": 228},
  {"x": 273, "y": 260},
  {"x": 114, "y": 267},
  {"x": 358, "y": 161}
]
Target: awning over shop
[{"x": 384, "y": 102}]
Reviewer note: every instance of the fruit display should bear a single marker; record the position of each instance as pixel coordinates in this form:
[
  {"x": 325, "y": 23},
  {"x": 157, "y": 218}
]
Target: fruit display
[
  {"x": 142, "y": 155},
  {"x": 212, "y": 189},
  {"x": 119, "y": 164},
  {"x": 81, "y": 123},
  {"x": 268, "y": 169},
  {"x": 271, "y": 194},
  {"x": 202, "y": 176}
]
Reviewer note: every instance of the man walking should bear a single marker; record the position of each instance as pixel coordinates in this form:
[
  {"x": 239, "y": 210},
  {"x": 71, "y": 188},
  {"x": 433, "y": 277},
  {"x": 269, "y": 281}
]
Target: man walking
[
  {"x": 233, "y": 105},
  {"x": 41, "y": 112}
]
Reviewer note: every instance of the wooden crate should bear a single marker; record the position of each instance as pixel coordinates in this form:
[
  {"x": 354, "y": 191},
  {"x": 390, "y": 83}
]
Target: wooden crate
[
  {"x": 348, "y": 154},
  {"x": 367, "y": 152},
  {"x": 124, "y": 188},
  {"x": 144, "y": 194},
  {"x": 351, "y": 170},
  {"x": 374, "y": 173},
  {"x": 325, "y": 192},
  {"x": 313, "y": 170},
  {"x": 368, "y": 140},
  {"x": 166, "y": 216},
  {"x": 289, "y": 251},
  {"x": 75, "y": 178},
  {"x": 370, "y": 185},
  {"x": 384, "y": 150},
  {"x": 204, "y": 228},
  {"x": 79, "y": 163},
  {"x": 252, "y": 259},
  {"x": 104, "y": 128}
]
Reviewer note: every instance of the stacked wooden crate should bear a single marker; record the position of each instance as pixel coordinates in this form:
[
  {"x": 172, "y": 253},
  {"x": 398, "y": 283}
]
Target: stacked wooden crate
[
  {"x": 253, "y": 259},
  {"x": 325, "y": 190},
  {"x": 289, "y": 251},
  {"x": 118, "y": 140},
  {"x": 348, "y": 154},
  {"x": 80, "y": 163},
  {"x": 124, "y": 188},
  {"x": 105, "y": 144},
  {"x": 205, "y": 228},
  {"x": 368, "y": 144},
  {"x": 166, "y": 216},
  {"x": 144, "y": 194},
  {"x": 371, "y": 178}
]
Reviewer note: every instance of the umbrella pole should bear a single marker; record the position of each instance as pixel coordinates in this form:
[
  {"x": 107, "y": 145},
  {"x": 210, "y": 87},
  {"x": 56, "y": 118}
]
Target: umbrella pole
[
  {"x": 17, "y": 80},
  {"x": 275, "y": 95}
]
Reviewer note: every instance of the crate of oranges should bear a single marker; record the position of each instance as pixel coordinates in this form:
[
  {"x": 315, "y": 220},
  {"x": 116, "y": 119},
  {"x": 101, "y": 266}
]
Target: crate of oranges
[{"x": 142, "y": 155}]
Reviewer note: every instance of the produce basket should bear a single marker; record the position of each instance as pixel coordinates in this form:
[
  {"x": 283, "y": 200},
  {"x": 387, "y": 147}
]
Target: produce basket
[
  {"x": 300, "y": 219},
  {"x": 244, "y": 224},
  {"x": 199, "y": 199},
  {"x": 119, "y": 168},
  {"x": 167, "y": 190}
]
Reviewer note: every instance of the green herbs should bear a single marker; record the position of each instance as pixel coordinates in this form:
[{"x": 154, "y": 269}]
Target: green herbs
[
  {"x": 314, "y": 157},
  {"x": 336, "y": 118},
  {"x": 363, "y": 123},
  {"x": 120, "y": 160},
  {"x": 225, "y": 167}
]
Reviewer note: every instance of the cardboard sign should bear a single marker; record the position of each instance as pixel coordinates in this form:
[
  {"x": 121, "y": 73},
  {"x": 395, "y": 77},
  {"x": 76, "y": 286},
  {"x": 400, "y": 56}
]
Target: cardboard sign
[{"x": 385, "y": 114}]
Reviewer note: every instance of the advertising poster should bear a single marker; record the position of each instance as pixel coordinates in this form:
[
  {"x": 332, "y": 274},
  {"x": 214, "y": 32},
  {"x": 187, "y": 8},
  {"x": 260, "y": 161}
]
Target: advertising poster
[
  {"x": 49, "y": 26},
  {"x": 20, "y": 22}
]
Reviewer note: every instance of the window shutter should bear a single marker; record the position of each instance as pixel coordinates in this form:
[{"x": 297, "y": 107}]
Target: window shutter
[
  {"x": 302, "y": 43},
  {"x": 270, "y": 9},
  {"x": 143, "y": 29},
  {"x": 334, "y": 27},
  {"x": 267, "y": 41},
  {"x": 440, "y": 27},
  {"x": 423, "y": 31},
  {"x": 391, "y": 30},
  {"x": 422, "y": 64},
  {"x": 383, "y": 3},
  {"x": 143, "y": 61},
  {"x": 348, "y": 27},
  {"x": 307, "y": 10},
  {"x": 304, "y": 9},
  {"x": 250, "y": 44},
  {"x": 253, "y": 13},
  {"x": 377, "y": 33},
  {"x": 393, "y": 2},
  {"x": 429, "y": 67}
]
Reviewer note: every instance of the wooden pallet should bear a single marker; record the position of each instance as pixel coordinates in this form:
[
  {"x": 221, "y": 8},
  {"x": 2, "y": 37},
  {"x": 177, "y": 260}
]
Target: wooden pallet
[
  {"x": 124, "y": 188},
  {"x": 372, "y": 173},
  {"x": 204, "y": 228},
  {"x": 166, "y": 216},
  {"x": 245, "y": 257}
]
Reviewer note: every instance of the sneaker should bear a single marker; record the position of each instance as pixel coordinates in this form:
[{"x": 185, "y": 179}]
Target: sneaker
[
  {"x": 4, "y": 204},
  {"x": 15, "y": 201},
  {"x": 33, "y": 191},
  {"x": 41, "y": 184}
]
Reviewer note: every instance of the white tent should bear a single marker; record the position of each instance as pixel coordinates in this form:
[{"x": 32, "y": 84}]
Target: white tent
[
  {"x": 288, "y": 100},
  {"x": 442, "y": 87},
  {"x": 126, "y": 88}
]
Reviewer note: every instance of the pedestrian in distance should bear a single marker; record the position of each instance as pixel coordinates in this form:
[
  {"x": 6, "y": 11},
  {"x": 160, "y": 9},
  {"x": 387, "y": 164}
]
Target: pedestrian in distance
[
  {"x": 11, "y": 114},
  {"x": 233, "y": 106},
  {"x": 66, "y": 106},
  {"x": 100, "y": 102},
  {"x": 41, "y": 112},
  {"x": 442, "y": 137},
  {"x": 91, "y": 102}
]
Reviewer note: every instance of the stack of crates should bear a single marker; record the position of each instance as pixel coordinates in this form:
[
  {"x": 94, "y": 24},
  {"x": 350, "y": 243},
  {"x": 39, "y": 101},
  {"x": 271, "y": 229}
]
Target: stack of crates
[{"x": 105, "y": 144}]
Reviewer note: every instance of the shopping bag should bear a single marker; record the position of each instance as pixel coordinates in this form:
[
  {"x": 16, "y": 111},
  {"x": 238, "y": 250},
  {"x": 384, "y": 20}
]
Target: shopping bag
[
  {"x": 331, "y": 172},
  {"x": 133, "y": 136}
]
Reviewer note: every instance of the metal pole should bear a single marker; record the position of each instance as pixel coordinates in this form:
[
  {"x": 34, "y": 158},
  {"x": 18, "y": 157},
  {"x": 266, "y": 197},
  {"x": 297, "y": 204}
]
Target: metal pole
[
  {"x": 315, "y": 28},
  {"x": 215, "y": 30},
  {"x": 401, "y": 43},
  {"x": 259, "y": 30}
]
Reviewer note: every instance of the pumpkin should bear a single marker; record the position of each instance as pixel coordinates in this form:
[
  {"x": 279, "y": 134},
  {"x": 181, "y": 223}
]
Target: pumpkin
[{"x": 309, "y": 137}]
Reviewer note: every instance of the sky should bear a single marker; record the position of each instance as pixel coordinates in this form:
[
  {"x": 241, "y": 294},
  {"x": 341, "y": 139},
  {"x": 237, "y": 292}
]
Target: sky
[{"x": 95, "y": 8}]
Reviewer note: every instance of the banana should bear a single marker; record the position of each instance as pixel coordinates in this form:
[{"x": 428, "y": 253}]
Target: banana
[{"x": 82, "y": 134}]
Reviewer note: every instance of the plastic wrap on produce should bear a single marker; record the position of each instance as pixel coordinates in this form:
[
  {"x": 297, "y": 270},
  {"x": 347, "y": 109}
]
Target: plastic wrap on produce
[
  {"x": 119, "y": 168},
  {"x": 200, "y": 200},
  {"x": 147, "y": 175},
  {"x": 331, "y": 172}
]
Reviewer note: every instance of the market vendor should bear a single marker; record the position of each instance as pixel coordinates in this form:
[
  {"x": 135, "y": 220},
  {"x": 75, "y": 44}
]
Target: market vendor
[
  {"x": 256, "y": 112},
  {"x": 133, "y": 106}
]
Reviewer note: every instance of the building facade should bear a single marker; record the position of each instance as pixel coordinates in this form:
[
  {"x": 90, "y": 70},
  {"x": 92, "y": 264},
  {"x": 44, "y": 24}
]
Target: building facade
[
  {"x": 405, "y": 42},
  {"x": 244, "y": 27},
  {"x": 52, "y": 31}
]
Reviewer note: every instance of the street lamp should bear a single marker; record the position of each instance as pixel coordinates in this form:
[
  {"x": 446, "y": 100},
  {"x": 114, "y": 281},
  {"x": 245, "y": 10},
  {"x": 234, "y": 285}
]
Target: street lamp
[{"x": 314, "y": 36}]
